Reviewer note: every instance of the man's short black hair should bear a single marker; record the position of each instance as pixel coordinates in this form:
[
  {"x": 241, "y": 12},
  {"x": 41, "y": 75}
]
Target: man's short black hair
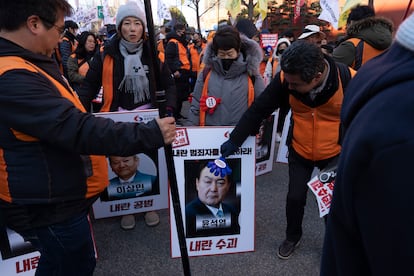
[
  {"x": 360, "y": 12},
  {"x": 179, "y": 26},
  {"x": 14, "y": 13},
  {"x": 71, "y": 24},
  {"x": 110, "y": 29},
  {"x": 303, "y": 58},
  {"x": 287, "y": 33}
]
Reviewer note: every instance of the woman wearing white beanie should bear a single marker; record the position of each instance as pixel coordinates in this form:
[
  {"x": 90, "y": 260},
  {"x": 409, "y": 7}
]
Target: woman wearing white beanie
[
  {"x": 371, "y": 224},
  {"x": 124, "y": 68}
]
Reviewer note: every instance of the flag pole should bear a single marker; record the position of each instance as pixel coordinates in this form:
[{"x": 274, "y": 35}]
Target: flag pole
[
  {"x": 160, "y": 93},
  {"x": 408, "y": 9}
]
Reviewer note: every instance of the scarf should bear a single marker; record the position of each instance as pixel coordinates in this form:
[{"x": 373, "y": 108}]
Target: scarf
[{"x": 135, "y": 79}]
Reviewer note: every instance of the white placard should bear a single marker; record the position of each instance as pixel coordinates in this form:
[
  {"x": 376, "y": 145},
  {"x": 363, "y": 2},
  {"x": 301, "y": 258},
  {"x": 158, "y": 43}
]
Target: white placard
[
  {"x": 265, "y": 144},
  {"x": 207, "y": 235},
  {"x": 17, "y": 256},
  {"x": 136, "y": 197},
  {"x": 282, "y": 153}
]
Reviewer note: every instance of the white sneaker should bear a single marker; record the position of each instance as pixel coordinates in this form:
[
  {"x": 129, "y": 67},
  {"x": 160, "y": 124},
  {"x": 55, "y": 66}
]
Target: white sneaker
[
  {"x": 152, "y": 218},
  {"x": 128, "y": 222}
]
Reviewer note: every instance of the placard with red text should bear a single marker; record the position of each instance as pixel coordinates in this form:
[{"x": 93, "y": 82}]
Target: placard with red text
[
  {"x": 17, "y": 256},
  {"x": 141, "y": 194},
  {"x": 207, "y": 233}
]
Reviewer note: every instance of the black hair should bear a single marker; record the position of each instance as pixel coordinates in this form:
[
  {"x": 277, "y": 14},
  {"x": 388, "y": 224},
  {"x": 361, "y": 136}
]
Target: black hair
[
  {"x": 360, "y": 12},
  {"x": 247, "y": 27},
  {"x": 287, "y": 33},
  {"x": 304, "y": 58},
  {"x": 110, "y": 29},
  {"x": 179, "y": 26},
  {"x": 71, "y": 24},
  {"x": 226, "y": 38},
  {"x": 14, "y": 13},
  {"x": 80, "y": 49}
]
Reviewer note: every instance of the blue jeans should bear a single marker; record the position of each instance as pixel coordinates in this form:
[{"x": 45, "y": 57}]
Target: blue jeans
[{"x": 66, "y": 248}]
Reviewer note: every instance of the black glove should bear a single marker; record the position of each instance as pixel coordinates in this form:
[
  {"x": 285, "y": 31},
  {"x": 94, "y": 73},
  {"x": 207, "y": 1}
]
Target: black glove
[{"x": 228, "y": 148}]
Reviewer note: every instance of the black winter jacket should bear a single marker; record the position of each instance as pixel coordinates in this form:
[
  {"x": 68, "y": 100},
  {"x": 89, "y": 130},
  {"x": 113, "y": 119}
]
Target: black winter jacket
[
  {"x": 93, "y": 80},
  {"x": 43, "y": 180}
]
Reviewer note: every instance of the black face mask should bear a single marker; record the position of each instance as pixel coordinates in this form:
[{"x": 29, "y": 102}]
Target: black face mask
[{"x": 226, "y": 62}]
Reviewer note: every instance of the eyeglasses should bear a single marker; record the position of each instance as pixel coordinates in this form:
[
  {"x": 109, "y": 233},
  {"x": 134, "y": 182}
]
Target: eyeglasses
[{"x": 61, "y": 30}]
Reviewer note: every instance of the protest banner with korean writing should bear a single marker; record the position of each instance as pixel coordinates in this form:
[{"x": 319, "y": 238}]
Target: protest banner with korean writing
[
  {"x": 218, "y": 208},
  {"x": 17, "y": 256},
  {"x": 268, "y": 40},
  {"x": 323, "y": 192},
  {"x": 146, "y": 189}
]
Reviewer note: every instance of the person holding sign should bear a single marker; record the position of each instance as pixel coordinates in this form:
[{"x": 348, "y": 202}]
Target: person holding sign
[
  {"x": 52, "y": 152},
  {"x": 208, "y": 215},
  {"x": 123, "y": 68},
  {"x": 230, "y": 80},
  {"x": 313, "y": 85}
]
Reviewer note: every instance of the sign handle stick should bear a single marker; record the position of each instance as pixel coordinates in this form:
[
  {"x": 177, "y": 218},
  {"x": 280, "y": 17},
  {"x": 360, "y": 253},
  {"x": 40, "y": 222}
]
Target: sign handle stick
[{"x": 160, "y": 93}]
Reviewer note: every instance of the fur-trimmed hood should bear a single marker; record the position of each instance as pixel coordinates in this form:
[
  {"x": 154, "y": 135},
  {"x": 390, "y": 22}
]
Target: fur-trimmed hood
[
  {"x": 251, "y": 55},
  {"x": 376, "y": 31}
]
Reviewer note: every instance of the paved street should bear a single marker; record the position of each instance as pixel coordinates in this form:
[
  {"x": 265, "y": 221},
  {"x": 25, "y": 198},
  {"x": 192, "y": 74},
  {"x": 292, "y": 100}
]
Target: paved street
[{"x": 146, "y": 251}]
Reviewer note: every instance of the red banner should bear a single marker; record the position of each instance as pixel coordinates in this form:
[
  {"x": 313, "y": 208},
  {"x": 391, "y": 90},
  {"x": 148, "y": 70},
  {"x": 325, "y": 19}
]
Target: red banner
[{"x": 296, "y": 15}]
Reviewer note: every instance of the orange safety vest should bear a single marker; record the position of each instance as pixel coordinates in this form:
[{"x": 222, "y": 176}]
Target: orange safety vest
[
  {"x": 182, "y": 54},
  {"x": 204, "y": 93},
  {"x": 363, "y": 52},
  {"x": 107, "y": 83},
  {"x": 59, "y": 55},
  {"x": 161, "y": 51},
  {"x": 195, "y": 57},
  {"x": 97, "y": 182},
  {"x": 84, "y": 65},
  {"x": 316, "y": 129}
]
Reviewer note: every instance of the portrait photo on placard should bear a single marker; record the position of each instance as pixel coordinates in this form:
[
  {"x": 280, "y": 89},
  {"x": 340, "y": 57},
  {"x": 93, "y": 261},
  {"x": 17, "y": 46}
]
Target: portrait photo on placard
[
  {"x": 132, "y": 176},
  {"x": 12, "y": 244},
  {"x": 264, "y": 139},
  {"x": 212, "y": 201}
]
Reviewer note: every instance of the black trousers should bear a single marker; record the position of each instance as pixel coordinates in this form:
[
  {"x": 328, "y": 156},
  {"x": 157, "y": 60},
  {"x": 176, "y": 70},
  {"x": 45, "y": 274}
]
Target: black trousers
[
  {"x": 182, "y": 85},
  {"x": 300, "y": 172}
]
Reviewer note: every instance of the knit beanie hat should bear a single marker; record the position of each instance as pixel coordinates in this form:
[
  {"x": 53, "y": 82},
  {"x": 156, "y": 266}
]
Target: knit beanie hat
[
  {"x": 405, "y": 35},
  {"x": 130, "y": 9}
]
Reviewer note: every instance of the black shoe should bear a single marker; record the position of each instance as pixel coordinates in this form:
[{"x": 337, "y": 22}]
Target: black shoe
[{"x": 286, "y": 249}]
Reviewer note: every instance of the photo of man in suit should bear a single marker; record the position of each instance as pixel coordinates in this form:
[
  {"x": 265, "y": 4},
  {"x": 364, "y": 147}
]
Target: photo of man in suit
[
  {"x": 209, "y": 214},
  {"x": 12, "y": 244},
  {"x": 129, "y": 182}
]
